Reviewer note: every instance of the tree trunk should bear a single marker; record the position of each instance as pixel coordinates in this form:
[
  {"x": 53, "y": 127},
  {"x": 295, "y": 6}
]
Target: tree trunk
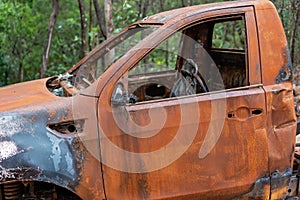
[
  {"x": 83, "y": 28},
  {"x": 21, "y": 72},
  {"x": 161, "y": 2},
  {"x": 99, "y": 18},
  {"x": 139, "y": 7},
  {"x": 108, "y": 18},
  {"x": 90, "y": 26},
  {"x": 52, "y": 21},
  {"x": 145, "y": 8},
  {"x": 109, "y": 27},
  {"x": 182, "y": 3}
]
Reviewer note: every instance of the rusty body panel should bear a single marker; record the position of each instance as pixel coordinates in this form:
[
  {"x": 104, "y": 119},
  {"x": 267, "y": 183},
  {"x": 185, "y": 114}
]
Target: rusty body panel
[
  {"x": 279, "y": 95},
  {"x": 35, "y": 152},
  {"x": 221, "y": 171},
  {"x": 107, "y": 135},
  {"x": 13, "y": 96}
]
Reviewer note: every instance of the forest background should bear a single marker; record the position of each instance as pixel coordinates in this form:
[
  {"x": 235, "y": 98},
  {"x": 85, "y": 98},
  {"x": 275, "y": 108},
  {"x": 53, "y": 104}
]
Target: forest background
[{"x": 41, "y": 38}]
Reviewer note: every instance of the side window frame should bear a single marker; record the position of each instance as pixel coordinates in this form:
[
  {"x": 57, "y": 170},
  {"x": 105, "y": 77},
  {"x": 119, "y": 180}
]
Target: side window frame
[
  {"x": 234, "y": 57},
  {"x": 246, "y": 13}
]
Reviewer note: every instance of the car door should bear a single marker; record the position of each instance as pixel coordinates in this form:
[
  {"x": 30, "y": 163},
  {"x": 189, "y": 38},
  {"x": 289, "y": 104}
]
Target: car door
[{"x": 199, "y": 145}]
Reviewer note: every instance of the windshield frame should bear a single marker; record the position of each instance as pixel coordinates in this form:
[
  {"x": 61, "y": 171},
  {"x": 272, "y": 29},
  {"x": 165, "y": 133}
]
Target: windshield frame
[{"x": 105, "y": 48}]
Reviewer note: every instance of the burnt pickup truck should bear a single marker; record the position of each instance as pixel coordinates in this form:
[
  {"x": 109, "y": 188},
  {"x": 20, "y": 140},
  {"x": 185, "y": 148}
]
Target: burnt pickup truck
[{"x": 193, "y": 103}]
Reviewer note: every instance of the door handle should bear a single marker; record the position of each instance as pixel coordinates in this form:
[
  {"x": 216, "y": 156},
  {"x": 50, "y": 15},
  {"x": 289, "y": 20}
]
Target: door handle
[{"x": 243, "y": 113}]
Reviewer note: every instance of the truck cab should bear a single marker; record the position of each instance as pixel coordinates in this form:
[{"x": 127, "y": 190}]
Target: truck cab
[{"x": 193, "y": 103}]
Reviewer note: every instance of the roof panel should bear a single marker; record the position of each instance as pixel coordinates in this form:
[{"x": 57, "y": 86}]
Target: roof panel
[{"x": 177, "y": 14}]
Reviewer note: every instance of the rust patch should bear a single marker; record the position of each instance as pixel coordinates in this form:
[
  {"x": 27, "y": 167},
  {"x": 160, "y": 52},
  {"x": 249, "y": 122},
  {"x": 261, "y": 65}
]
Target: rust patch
[
  {"x": 90, "y": 182},
  {"x": 282, "y": 130}
]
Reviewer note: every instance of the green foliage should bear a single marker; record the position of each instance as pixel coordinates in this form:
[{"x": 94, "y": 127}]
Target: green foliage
[
  {"x": 20, "y": 31},
  {"x": 66, "y": 40},
  {"x": 23, "y": 31},
  {"x": 289, "y": 12},
  {"x": 124, "y": 13},
  {"x": 229, "y": 35},
  {"x": 24, "y": 26}
]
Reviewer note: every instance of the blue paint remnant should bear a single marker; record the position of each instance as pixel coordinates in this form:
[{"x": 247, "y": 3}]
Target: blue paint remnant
[{"x": 40, "y": 155}]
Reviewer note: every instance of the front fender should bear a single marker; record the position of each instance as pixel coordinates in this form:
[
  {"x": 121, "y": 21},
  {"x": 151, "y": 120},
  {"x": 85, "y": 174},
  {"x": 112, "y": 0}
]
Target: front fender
[{"x": 30, "y": 151}]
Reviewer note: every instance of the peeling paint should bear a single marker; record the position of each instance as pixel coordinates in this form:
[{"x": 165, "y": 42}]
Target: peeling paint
[
  {"x": 7, "y": 149},
  {"x": 10, "y": 126},
  {"x": 70, "y": 167},
  {"x": 6, "y": 174},
  {"x": 56, "y": 152},
  {"x": 18, "y": 173}
]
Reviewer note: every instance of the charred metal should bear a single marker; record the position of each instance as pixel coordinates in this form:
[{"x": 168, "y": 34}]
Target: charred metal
[
  {"x": 279, "y": 182},
  {"x": 185, "y": 114},
  {"x": 286, "y": 72},
  {"x": 18, "y": 174},
  {"x": 259, "y": 190},
  {"x": 70, "y": 127}
]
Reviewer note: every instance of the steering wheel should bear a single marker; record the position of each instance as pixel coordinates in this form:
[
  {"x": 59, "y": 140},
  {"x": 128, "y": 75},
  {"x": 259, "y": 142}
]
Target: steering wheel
[
  {"x": 200, "y": 81},
  {"x": 190, "y": 68}
]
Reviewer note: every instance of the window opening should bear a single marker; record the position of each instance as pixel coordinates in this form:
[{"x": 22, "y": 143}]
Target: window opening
[{"x": 183, "y": 64}]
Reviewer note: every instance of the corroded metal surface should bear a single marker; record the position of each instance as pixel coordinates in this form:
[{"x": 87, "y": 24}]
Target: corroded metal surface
[
  {"x": 31, "y": 151},
  {"x": 74, "y": 142}
]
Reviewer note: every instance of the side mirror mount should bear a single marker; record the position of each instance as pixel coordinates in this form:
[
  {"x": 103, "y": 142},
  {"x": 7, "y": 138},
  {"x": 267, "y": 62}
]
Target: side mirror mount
[{"x": 119, "y": 97}]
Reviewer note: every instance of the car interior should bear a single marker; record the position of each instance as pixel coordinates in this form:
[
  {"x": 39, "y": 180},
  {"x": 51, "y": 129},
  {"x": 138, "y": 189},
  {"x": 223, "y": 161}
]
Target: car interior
[{"x": 218, "y": 44}]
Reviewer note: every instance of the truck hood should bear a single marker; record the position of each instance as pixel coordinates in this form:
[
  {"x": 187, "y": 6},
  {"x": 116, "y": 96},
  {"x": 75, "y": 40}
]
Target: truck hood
[{"x": 24, "y": 94}]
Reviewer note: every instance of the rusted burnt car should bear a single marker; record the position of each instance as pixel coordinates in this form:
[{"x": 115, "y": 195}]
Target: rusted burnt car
[{"x": 193, "y": 103}]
